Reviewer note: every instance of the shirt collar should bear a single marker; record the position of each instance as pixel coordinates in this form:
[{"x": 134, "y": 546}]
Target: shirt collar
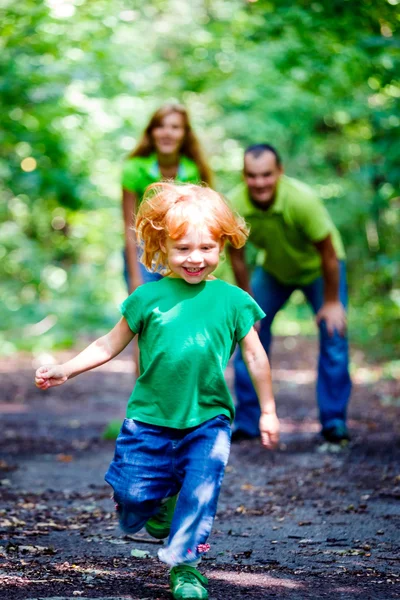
[
  {"x": 155, "y": 168},
  {"x": 277, "y": 205}
]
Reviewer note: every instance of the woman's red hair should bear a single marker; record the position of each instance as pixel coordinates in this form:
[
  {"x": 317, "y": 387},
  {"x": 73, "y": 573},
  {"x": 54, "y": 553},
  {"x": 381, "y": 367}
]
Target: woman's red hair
[
  {"x": 190, "y": 146},
  {"x": 169, "y": 209}
]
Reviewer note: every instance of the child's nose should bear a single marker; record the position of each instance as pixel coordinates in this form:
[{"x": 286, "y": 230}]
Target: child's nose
[{"x": 195, "y": 256}]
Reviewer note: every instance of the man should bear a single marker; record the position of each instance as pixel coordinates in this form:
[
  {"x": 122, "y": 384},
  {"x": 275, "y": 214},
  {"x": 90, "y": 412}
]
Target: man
[{"x": 303, "y": 250}]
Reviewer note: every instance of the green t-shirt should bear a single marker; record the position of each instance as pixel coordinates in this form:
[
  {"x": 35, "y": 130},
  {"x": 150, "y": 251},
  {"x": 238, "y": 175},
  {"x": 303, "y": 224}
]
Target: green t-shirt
[
  {"x": 288, "y": 230},
  {"x": 187, "y": 333},
  {"x": 140, "y": 171}
]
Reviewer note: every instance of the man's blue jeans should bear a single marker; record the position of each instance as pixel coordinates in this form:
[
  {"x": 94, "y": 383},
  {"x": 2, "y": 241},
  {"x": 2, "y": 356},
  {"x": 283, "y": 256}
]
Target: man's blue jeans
[
  {"x": 152, "y": 463},
  {"x": 333, "y": 383}
]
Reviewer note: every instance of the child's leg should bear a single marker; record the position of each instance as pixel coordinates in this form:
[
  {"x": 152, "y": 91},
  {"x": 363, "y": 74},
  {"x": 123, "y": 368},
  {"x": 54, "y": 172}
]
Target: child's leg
[
  {"x": 200, "y": 459},
  {"x": 141, "y": 473}
]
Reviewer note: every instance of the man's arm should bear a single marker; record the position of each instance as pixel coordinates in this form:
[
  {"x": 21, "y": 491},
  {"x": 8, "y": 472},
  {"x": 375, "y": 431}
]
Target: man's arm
[
  {"x": 240, "y": 269},
  {"x": 257, "y": 365},
  {"x": 332, "y": 310}
]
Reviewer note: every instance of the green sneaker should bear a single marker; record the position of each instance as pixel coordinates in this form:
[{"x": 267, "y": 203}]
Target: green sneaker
[
  {"x": 187, "y": 583},
  {"x": 338, "y": 434},
  {"x": 159, "y": 526}
]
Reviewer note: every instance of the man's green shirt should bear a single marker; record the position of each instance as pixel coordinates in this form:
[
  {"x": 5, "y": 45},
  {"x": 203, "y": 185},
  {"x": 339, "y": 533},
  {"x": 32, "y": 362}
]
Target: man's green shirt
[
  {"x": 287, "y": 231},
  {"x": 187, "y": 333},
  {"x": 141, "y": 171}
]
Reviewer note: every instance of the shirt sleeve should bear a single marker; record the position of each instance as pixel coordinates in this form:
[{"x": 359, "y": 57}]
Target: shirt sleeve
[
  {"x": 132, "y": 310},
  {"x": 131, "y": 175},
  {"x": 248, "y": 312},
  {"x": 313, "y": 219}
]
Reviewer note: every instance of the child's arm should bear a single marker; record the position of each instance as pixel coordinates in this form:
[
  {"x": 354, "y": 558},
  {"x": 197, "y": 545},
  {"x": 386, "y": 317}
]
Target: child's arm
[
  {"x": 98, "y": 353},
  {"x": 257, "y": 364}
]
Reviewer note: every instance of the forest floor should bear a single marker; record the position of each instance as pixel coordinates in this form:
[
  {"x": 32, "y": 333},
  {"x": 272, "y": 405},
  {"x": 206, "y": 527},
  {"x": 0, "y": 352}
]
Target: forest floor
[{"x": 302, "y": 522}]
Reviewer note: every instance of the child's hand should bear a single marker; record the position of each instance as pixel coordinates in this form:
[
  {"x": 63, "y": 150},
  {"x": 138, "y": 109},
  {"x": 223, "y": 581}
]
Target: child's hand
[
  {"x": 50, "y": 376},
  {"x": 269, "y": 430}
]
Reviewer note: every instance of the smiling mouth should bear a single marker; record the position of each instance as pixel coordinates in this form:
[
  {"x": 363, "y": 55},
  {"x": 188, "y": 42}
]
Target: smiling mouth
[{"x": 193, "y": 270}]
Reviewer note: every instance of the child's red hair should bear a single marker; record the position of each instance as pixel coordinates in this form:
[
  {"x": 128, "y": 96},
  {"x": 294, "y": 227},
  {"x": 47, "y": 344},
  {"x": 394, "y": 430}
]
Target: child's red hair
[{"x": 168, "y": 209}]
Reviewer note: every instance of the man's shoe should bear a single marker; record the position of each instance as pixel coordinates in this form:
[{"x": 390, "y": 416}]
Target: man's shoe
[
  {"x": 187, "y": 583},
  {"x": 240, "y": 436},
  {"x": 159, "y": 526},
  {"x": 337, "y": 434}
]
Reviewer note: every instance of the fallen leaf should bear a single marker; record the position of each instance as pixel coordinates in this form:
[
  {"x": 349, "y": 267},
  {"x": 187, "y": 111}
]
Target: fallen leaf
[
  {"x": 66, "y": 458},
  {"x": 51, "y": 525},
  {"x": 4, "y": 466},
  {"x": 245, "y": 554},
  {"x": 140, "y": 553}
]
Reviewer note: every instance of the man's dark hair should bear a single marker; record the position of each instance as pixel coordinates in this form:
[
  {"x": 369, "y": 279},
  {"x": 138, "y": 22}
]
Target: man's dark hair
[{"x": 257, "y": 149}]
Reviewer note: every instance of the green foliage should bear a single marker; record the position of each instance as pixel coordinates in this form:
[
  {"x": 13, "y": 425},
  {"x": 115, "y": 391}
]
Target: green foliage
[{"x": 79, "y": 80}]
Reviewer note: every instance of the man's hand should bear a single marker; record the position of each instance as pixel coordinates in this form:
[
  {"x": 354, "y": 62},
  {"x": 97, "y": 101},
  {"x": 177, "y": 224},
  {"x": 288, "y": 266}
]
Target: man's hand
[
  {"x": 334, "y": 315},
  {"x": 50, "y": 376},
  {"x": 269, "y": 430}
]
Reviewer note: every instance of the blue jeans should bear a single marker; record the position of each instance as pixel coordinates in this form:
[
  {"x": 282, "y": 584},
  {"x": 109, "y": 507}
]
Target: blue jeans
[
  {"x": 152, "y": 463},
  {"x": 333, "y": 383},
  {"x": 147, "y": 276}
]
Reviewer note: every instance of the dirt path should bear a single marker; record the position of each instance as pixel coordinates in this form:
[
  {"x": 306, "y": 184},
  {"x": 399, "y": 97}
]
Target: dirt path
[{"x": 300, "y": 523}]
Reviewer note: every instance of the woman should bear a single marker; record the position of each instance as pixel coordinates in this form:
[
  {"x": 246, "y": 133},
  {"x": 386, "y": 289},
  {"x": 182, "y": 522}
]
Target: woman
[{"x": 168, "y": 149}]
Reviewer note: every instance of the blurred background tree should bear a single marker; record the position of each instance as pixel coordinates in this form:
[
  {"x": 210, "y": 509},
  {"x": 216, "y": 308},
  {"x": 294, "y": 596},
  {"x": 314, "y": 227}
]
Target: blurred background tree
[{"x": 79, "y": 79}]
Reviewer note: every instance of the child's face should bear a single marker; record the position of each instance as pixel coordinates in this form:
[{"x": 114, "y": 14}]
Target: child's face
[{"x": 194, "y": 256}]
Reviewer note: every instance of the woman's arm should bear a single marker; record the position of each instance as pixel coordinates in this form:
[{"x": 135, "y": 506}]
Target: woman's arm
[
  {"x": 257, "y": 364},
  {"x": 239, "y": 267},
  {"x": 98, "y": 353},
  {"x": 129, "y": 208}
]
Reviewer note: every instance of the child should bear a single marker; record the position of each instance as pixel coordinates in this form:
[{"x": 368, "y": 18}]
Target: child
[
  {"x": 174, "y": 445},
  {"x": 167, "y": 149}
]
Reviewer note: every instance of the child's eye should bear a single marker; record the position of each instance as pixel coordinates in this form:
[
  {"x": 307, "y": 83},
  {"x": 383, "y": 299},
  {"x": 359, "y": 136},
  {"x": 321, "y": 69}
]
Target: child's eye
[{"x": 182, "y": 248}]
